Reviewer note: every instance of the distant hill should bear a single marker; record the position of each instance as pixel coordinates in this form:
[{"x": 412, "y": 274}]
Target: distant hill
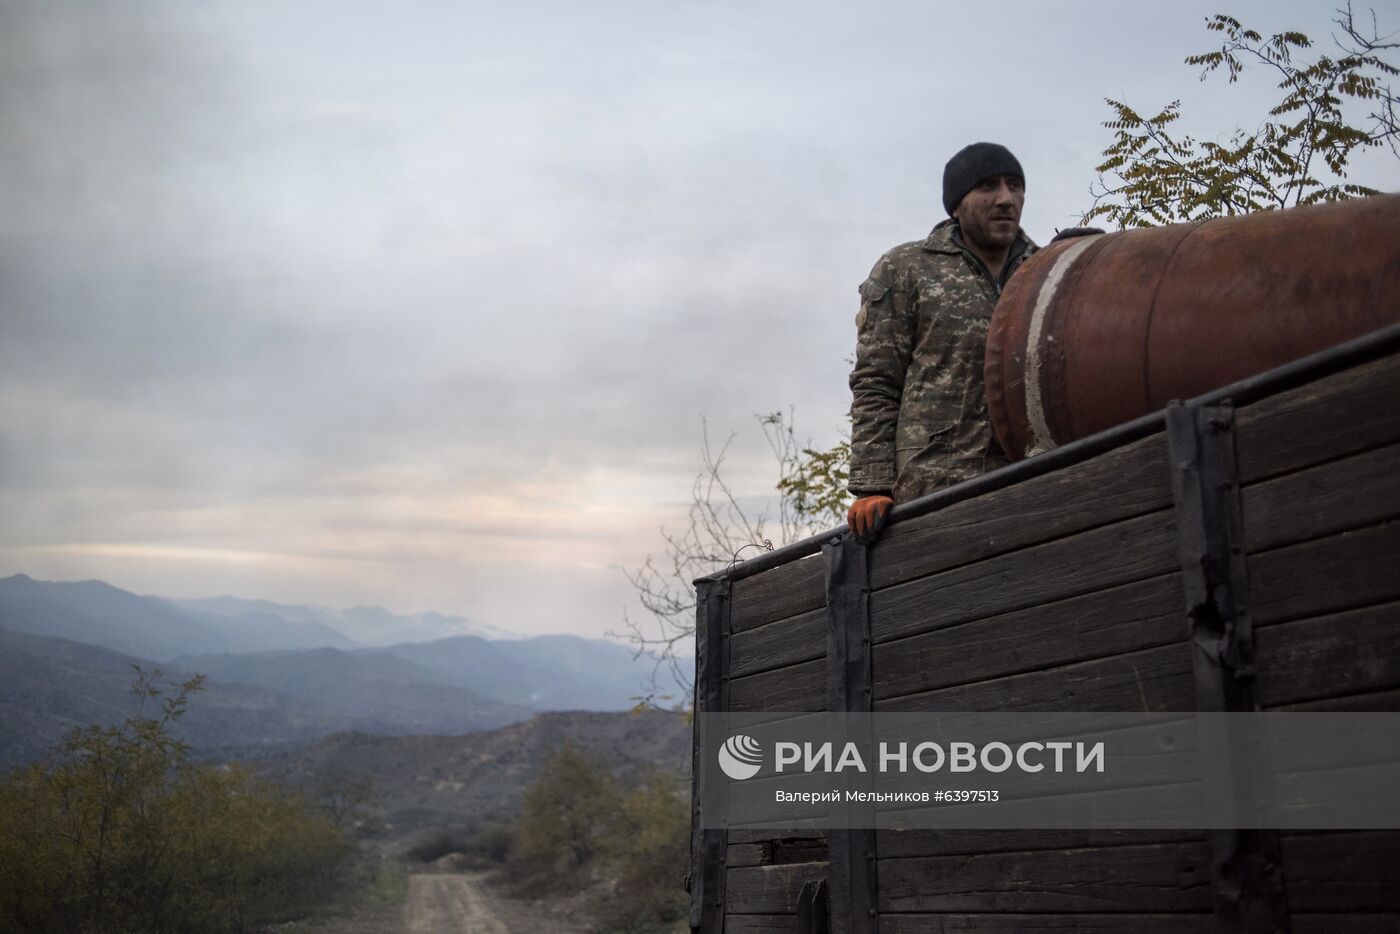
[
  {"x": 558, "y": 672},
  {"x": 430, "y": 782},
  {"x": 546, "y": 672},
  {"x": 49, "y": 686},
  {"x": 66, "y": 651},
  {"x": 364, "y": 625},
  {"x": 384, "y": 693},
  {"x": 254, "y": 631},
  {"x": 100, "y": 614}
]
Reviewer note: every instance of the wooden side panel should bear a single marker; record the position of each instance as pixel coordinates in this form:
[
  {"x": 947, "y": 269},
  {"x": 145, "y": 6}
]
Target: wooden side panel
[
  {"x": 1090, "y": 561},
  {"x": 1324, "y": 546},
  {"x": 1353, "y": 871},
  {"x": 768, "y": 890},
  {"x": 761, "y": 848},
  {"x": 1063, "y": 593},
  {"x": 1158, "y": 679},
  {"x": 1326, "y": 575},
  {"x": 782, "y": 642},
  {"x": 796, "y": 688},
  {"x": 1015, "y": 923},
  {"x": 1349, "y": 493},
  {"x": 787, "y": 590},
  {"x": 914, "y": 843},
  {"x": 1166, "y": 877},
  {"x": 1333, "y": 417},
  {"x": 1349, "y": 653},
  {"x": 761, "y": 924},
  {"x": 1113, "y": 621},
  {"x": 1120, "y": 484}
]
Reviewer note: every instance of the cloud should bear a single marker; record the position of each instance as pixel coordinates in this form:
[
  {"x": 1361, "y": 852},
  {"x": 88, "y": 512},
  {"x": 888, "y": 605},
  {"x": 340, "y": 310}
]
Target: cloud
[{"x": 426, "y": 303}]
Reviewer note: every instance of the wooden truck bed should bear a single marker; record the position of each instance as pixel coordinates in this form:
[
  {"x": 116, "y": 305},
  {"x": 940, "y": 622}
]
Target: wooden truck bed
[{"x": 1074, "y": 582}]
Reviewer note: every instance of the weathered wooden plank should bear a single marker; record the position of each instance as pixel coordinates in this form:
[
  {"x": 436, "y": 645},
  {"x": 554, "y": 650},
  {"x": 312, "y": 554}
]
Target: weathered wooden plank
[
  {"x": 1027, "y": 923},
  {"x": 1330, "y": 418},
  {"x": 707, "y": 846},
  {"x": 1173, "y": 877},
  {"x": 1119, "y": 619},
  {"x": 851, "y": 879},
  {"x": 1117, "y": 485},
  {"x": 1246, "y": 884},
  {"x": 1158, "y": 679},
  {"x": 784, "y": 591},
  {"x": 766, "y": 836},
  {"x": 756, "y": 890},
  {"x": 1354, "y": 652},
  {"x": 1350, "y": 871},
  {"x": 800, "y": 687},
  {"x": 746, "y": 854},
  {"x": 1090, "y": 561},
  {"x": 777, "y": 852},
  {"x": 1344, "y": 494},
  {"x": 905, "y": 843},
  {"x": 1378, "y": 702},
  {"x": 798, "y": 638},
  {"x": 761, "y": 924},
  {"x": 1348, "y": 923},
  {"x": 1327, "y": 575}
]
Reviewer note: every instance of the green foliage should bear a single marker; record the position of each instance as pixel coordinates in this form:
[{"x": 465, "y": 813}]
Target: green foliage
[
  {"x": 646, "y": 854},
  {"x": 577, "y": 828},
  {"x": 492, "y": 843},
  {"x": 1150, "y": 175},
  {"x": 811, "y": 481},
  {"x": 387, "y": 884},
  {"x": 117, "y": 831},
  {"x": 567, "y": 811},
  {"x": 351, "y": 803}
]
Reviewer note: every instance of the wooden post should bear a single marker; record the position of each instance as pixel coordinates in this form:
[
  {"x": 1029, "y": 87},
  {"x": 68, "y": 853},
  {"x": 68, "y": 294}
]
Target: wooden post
[
  {"x": 849, "y": 689},
  {"x": 708, "y": 847},
  {"x": 1246, "y": 864}
]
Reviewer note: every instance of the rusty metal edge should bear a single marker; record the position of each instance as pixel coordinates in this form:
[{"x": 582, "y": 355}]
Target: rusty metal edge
[{"x": 1304, "y": 370}]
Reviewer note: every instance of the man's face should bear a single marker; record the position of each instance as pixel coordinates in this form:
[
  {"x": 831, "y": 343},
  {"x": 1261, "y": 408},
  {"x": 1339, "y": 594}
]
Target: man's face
[{"x": 990, "y": 214}]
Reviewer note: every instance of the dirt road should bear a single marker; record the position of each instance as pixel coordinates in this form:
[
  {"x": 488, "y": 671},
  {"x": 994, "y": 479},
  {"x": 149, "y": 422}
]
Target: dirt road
[{"x": 456, "y": 903}]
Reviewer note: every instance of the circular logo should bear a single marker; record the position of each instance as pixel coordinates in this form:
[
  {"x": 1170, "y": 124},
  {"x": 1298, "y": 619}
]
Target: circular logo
[{"x": 741, "y": 757}]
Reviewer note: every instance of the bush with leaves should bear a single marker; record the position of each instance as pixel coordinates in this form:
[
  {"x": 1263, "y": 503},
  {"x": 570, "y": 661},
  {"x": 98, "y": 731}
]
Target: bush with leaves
[
  {"x": 578, "y": 831},
  {"x": 118, "y": 831},
  {"x": 566, "y": 814},
  {"x": 646, "y": 854}
]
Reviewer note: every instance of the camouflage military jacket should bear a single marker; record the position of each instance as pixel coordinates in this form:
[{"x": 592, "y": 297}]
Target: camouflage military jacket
[{"x": 919, "y": 414}]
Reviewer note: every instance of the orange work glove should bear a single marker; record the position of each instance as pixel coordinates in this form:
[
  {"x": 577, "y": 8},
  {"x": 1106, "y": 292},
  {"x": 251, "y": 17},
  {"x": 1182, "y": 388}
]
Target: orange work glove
[{"x": 867, "y": 516}]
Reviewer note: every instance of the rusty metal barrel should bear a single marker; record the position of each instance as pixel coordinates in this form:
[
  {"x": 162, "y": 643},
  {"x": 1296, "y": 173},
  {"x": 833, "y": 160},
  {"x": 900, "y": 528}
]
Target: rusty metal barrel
[{"x": 1095, "y": 331}]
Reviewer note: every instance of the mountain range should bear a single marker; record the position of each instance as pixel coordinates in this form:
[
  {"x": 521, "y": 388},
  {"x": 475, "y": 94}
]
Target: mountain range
[
  {"x": 435, "y": 782},
  {"x": 278, "y": 673}
]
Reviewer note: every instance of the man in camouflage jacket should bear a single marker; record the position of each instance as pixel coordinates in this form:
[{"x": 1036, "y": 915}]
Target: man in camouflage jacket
[{"x": 919, "y": 412}]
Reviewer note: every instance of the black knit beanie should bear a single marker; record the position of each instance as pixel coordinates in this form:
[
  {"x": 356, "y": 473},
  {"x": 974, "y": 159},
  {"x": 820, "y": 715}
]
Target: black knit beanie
[{"x": 971, "y": 165}]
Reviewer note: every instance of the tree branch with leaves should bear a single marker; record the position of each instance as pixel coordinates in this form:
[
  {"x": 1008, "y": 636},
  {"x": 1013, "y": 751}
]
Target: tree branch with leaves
[{"x": 1299, "y": 154}]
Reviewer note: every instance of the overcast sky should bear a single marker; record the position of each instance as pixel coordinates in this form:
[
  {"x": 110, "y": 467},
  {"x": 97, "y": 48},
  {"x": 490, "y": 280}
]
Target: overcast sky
[{"x": 421, "y": 304}]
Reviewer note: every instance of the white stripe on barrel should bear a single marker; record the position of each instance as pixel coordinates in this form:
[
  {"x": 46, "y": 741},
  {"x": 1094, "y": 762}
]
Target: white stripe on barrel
[{"x": 1041, "y": 439}]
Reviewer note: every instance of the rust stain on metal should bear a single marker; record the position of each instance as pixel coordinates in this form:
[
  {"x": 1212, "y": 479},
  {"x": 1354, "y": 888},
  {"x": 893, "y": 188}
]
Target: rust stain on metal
[{"x": 1090, "y": 334}]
